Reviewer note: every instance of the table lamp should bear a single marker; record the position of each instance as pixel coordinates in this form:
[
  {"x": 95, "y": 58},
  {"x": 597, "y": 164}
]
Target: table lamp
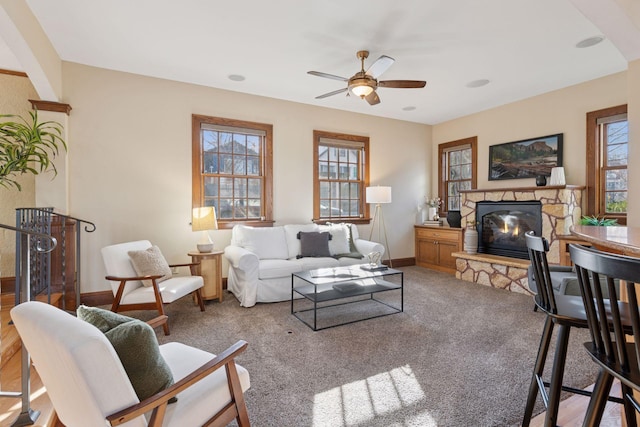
[
  {"x": 204, "y": 219},
  {"x": 376, "y": 196}
]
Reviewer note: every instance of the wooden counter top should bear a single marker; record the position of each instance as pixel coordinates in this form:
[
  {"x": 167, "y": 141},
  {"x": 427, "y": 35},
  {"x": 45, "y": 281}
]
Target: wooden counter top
[{"x": 621, "y": 239}]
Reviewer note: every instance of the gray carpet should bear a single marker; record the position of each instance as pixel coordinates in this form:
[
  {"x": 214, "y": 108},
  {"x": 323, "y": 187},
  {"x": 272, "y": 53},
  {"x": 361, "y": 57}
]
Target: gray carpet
[{"x": 460, "y": 355}]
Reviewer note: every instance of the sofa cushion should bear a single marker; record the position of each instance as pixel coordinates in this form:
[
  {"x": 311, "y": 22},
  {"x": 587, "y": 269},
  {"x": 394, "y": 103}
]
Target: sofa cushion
[
  {"x": 350, "y": 260},
  {"x": 136, "y": 344},
  {"x": 354, "y": 233},
  {"x": 310, "y": 263},
  {"x": 314, "y": 244},
  {"x": 150, "y": 262},
  {"x": 291, "y": 234},
  {"x": 266, "y": 242},
  {"x": 274, "y": 268}
]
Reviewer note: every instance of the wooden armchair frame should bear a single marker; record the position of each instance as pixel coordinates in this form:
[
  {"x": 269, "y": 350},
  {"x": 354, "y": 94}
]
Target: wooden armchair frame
[
  {"x": 158, "y": 305},
  {"x": 236, "y": 409}
]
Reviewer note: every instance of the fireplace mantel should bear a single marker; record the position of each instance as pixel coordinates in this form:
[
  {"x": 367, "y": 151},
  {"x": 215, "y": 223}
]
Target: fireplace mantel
[
  {"x": 548, "y": 187},
  {"x": 561, "y": 209}
]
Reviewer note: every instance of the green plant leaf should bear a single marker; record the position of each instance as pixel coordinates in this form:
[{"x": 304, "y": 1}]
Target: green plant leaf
[
  {"x": 596, "y": 221},
  {"x": 27, "y": 146}
]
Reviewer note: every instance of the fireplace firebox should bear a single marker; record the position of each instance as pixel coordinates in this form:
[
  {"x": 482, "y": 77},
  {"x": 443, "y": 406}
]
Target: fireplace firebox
[{"x": 502, "y": 225}]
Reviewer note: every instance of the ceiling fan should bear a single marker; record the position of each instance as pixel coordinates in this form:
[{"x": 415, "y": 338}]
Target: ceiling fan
[{"x": 364, "y": 83}]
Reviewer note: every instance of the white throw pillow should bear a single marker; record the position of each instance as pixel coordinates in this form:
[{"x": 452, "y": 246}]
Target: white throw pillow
[
  {"x": 266, "y": 242},
  {"x": 291, "y": 232},
  {"x": 339, "y": 243},
  {"x": 150, "y": 262}
]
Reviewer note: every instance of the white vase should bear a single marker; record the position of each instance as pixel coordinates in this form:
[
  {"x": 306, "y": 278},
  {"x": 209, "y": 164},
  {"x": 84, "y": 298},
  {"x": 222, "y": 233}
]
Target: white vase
[
  {"x": 431, "y": 213},
  {"x": 471, "y": 240}
]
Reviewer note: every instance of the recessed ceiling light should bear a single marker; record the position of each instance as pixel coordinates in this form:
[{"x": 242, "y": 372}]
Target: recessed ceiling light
[
  {"x": 236, "y": 77},
  {"x": 409, "y": 108},
  {"x": 478, "y": 83},
  {"x": 590, "y": 41}
]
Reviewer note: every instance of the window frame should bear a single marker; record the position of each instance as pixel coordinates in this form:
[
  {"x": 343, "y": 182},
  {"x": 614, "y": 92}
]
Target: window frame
[
  {"x": 443, "y": 150},
  {"x": 595, "y": 193},
  {"x": 197, "y": 121},
  {"x": 346, "y": 139}
]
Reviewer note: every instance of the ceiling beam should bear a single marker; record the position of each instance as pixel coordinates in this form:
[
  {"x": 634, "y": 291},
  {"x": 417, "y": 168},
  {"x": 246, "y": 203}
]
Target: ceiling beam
[
  {"x": 24, "y": 36},
  {"x": 618, "y": 20}
]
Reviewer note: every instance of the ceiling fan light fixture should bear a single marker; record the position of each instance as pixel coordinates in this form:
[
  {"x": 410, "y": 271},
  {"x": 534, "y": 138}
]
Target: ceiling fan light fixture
[{"x": 361, "y": 89}]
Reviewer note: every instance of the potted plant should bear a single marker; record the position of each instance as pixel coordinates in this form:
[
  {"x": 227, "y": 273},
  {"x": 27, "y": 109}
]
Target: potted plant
[
  {"x": 27, "y": 146},
  {"x": 601, "y": 222}
]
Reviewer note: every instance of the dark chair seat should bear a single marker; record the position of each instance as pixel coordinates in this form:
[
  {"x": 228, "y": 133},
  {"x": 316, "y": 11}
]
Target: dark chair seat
[
  {"x": 609, "y": 321},
  {"x": 560, "y": 276}
]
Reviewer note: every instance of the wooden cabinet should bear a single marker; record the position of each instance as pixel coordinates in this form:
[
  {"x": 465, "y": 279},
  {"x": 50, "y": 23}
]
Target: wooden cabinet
[
  {"x": 434, "y": 246},
  {"x": 565, "y": 241},
  {"x": 210, "y": 269}
]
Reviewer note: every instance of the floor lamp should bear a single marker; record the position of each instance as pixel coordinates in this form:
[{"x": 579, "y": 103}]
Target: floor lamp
[{"x": 379, "y": 195}]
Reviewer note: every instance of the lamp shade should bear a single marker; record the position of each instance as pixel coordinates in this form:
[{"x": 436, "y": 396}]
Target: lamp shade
[
  {"x": 204, "y": 219},
  {"x": 378, "y": 194}
]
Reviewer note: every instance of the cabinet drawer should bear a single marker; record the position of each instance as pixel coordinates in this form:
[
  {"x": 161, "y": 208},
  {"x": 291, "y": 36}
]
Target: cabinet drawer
[{"x": 435, "y": 234}]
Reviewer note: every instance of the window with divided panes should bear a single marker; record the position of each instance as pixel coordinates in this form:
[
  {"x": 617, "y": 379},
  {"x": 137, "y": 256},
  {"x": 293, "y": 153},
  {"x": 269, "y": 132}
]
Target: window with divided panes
[
  {"x": 340, "y": 175},
  {"x": 232, "y": 168},
  {"x": 457, "y": 171},
  {"x": 607, "y": 156}
]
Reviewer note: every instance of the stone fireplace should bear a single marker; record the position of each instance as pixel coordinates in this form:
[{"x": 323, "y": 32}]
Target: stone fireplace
[{"x": 561, "y": 207}]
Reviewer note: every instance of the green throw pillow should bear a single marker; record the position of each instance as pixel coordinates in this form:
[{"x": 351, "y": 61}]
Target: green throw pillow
[{"x": 137, "y": 347}]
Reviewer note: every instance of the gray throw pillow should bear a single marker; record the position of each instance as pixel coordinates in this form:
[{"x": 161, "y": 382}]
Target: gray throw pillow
[
  {"x": 314, "y": 244},
  {"x": 137, "y": 347}
]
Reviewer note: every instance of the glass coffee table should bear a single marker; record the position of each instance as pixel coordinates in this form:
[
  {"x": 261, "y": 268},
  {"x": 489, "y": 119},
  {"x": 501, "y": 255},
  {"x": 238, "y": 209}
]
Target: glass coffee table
[{"x": 327, "y": 288}]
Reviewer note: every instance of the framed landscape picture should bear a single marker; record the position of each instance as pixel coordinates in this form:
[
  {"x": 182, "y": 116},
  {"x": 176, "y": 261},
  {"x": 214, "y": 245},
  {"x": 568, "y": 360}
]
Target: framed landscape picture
[{"x": 525, "y": 159}]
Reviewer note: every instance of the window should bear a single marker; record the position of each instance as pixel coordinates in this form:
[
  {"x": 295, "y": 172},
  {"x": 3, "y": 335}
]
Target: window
[
  {"x": 341, "y": 174},
  {"x": 607, "y": 153},
  {"x": 232, "y": 169},
  {"x": 456, "y": 170}
]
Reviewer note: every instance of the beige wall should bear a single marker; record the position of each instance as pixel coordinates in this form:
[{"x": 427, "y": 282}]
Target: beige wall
[
  {"x": 130, "y": 160},
  {"x": 562, "y": 111},
  {"x": 633, "y": 79},
  {"x": 15, "y": 92}
]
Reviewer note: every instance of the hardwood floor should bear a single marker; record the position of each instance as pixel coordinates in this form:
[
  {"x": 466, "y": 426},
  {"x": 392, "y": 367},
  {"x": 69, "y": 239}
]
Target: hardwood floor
[
  {"x": 10, "y": 374},
  {"x": 572, "y": 410},
  {"x": 10, "y": 408}
]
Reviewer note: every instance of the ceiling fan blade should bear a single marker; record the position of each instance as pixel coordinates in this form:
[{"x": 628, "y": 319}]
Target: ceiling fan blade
[
  {"x": 335, "y": 92},
  {"x": 402, "y": 83},
  {"x": 381, "y": 65},
  {"x": 373, "y": 98},
  {"x": 328, "y": 76}
]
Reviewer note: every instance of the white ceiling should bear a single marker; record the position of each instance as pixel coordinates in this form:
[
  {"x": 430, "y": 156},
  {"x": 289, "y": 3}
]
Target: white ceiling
[{"x": 524, "y": 47}]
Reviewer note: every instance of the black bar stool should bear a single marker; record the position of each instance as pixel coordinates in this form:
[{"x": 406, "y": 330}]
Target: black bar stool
[
  {"x": 609, "y": 319},
  {"x": 565, "y": 311}
]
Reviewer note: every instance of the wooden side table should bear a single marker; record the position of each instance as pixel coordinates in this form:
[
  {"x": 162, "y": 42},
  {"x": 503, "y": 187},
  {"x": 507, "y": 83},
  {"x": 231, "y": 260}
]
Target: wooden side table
[{"x": 210, "y": 269}]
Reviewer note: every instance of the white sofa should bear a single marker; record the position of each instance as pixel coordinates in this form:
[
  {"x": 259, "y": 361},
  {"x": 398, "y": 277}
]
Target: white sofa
[{"x": 262, "y": 259}]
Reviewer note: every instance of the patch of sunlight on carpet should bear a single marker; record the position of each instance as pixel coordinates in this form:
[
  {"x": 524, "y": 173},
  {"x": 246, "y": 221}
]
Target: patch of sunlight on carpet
[{"x": 361, "y": 401}]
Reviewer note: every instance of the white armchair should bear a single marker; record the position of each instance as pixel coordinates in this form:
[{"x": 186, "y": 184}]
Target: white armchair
[
  {"x": 88, "y": 385},
  {"x": 129, "y": 291}
]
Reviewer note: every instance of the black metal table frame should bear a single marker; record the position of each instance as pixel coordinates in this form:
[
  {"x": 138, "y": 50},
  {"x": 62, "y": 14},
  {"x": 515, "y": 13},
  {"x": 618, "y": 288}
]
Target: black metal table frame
[{"x": 314, "y": 327}]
